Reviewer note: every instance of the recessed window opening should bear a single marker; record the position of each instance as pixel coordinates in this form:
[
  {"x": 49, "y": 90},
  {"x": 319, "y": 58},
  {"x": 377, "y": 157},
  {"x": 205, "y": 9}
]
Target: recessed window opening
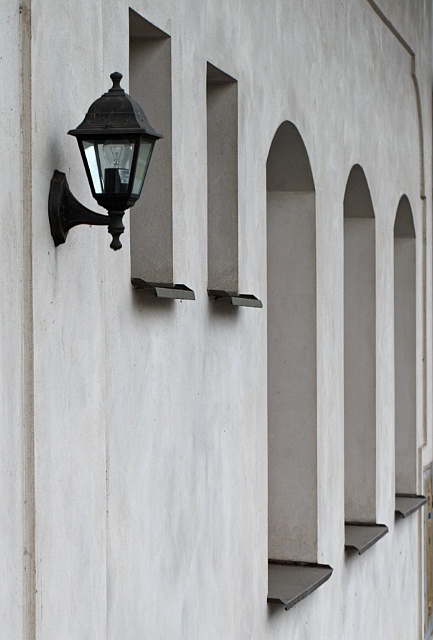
[
  {"x": 405, "y": 349},
  {"x": 292, "y": 359},
  {"x": 359, "y": 350},
  {"x": 150, "y": 84}
]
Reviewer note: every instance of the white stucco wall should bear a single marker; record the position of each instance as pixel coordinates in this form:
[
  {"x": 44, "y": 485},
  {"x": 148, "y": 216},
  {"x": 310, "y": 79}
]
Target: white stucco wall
[
  {"x": 150, "y": 435},
  {"x": 15, "y": 413}
]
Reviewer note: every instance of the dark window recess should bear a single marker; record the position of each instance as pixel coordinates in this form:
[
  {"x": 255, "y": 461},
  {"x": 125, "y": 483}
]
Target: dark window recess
[
  {"x": 361, "y": 536},
  {"x": 235, "y": 299},
  {"x": 168, "y": 291},
  {"x": 408, "y": 503},
  {"x": 291, "y": 582}
]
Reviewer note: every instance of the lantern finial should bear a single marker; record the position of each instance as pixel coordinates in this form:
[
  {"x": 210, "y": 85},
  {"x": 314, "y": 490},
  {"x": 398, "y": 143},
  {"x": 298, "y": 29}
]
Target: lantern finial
[{"x": 116, "y": 78}]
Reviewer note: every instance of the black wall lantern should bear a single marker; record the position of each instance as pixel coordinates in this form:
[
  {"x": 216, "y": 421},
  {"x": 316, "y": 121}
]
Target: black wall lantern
[{"x": 116, "y": 143}]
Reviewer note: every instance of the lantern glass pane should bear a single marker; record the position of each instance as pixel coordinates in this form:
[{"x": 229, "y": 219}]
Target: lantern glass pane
[
  {"x": 110, "y": 164},
  {"x": 144, "y": 154},
  {"x": 93, "y": 164}
]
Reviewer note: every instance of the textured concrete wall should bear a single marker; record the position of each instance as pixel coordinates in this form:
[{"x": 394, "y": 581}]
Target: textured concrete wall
[
  {"x": 15, "y": 348},
  {"x": 150, "y": 419}
]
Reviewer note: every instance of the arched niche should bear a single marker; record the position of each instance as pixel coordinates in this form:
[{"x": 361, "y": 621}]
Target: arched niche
[
  {"x": 405, "y": 348},
  {"x": 292, "y": 359},
  {"x": 359, "y": 350}
]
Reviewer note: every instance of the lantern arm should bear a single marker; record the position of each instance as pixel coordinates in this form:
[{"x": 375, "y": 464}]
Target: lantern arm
[
  {"x": 79, "y": 214},
  {"x": 66, "y": 212}
]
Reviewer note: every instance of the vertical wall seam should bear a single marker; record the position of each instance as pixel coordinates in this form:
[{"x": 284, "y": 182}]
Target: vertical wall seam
[
  {"x": 414, "y": 76},
  {"x": 29, "y": 561},
  {"x": 391, "y": 27}
]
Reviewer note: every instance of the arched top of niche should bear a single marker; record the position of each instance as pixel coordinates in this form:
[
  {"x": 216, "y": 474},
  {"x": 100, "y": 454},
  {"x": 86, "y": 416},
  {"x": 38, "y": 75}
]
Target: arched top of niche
[
  {"x": 288, "y": 165},
  {"x": 404, "y": 226},
  {"x": 357, "y": 197}
]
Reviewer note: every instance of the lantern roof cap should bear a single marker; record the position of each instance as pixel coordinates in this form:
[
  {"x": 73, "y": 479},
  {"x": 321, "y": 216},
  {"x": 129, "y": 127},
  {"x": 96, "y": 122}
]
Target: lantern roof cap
[{"x": 114, "y": 113}]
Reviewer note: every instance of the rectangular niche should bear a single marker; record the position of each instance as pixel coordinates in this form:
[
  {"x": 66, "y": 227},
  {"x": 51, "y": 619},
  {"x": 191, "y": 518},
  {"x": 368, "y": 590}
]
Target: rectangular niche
[
  {"x": 222, "y": 190},
  {"x": 151, "y": 217},
  {"x": 222, "y": 180}
]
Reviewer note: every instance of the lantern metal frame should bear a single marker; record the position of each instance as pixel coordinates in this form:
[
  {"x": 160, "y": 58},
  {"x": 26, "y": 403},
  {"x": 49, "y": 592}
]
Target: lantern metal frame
[{"x": 114, "y": 116}]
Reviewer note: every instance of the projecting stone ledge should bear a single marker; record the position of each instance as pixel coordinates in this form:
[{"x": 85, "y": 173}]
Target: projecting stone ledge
[
  {"x": 290, "y": 582},
  {"x": 407, "y": 503},
  {"x": 360, "y": 537},
  {"x": 235, "y": 299},
  {"x": 165, "y": 291}
]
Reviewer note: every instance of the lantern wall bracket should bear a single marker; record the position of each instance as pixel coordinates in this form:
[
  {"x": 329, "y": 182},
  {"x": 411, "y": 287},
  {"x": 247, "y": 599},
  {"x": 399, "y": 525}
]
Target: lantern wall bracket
[{"x": 65, "y": 212}]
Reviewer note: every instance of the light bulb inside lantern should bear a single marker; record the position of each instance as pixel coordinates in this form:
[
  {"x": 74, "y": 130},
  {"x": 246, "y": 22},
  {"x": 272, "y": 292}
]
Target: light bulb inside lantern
[
  {"x": 113, "y": 154},
  {"x": 118, "y": 156}
]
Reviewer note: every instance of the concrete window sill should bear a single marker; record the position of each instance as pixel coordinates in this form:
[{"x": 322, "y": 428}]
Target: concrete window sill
[
  {"x": 235, "y": 299},
  {"x": 291, "y": 582},
  {"x": 406, "y": 504},
  {"x": 360, "y": 536},
  {"x": 165, "y": 291}
]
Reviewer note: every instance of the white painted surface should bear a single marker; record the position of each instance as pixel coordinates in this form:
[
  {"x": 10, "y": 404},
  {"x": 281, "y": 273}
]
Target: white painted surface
[
  {"x": 13, "y": 343},
  {"x": 150, "y": 419}
]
